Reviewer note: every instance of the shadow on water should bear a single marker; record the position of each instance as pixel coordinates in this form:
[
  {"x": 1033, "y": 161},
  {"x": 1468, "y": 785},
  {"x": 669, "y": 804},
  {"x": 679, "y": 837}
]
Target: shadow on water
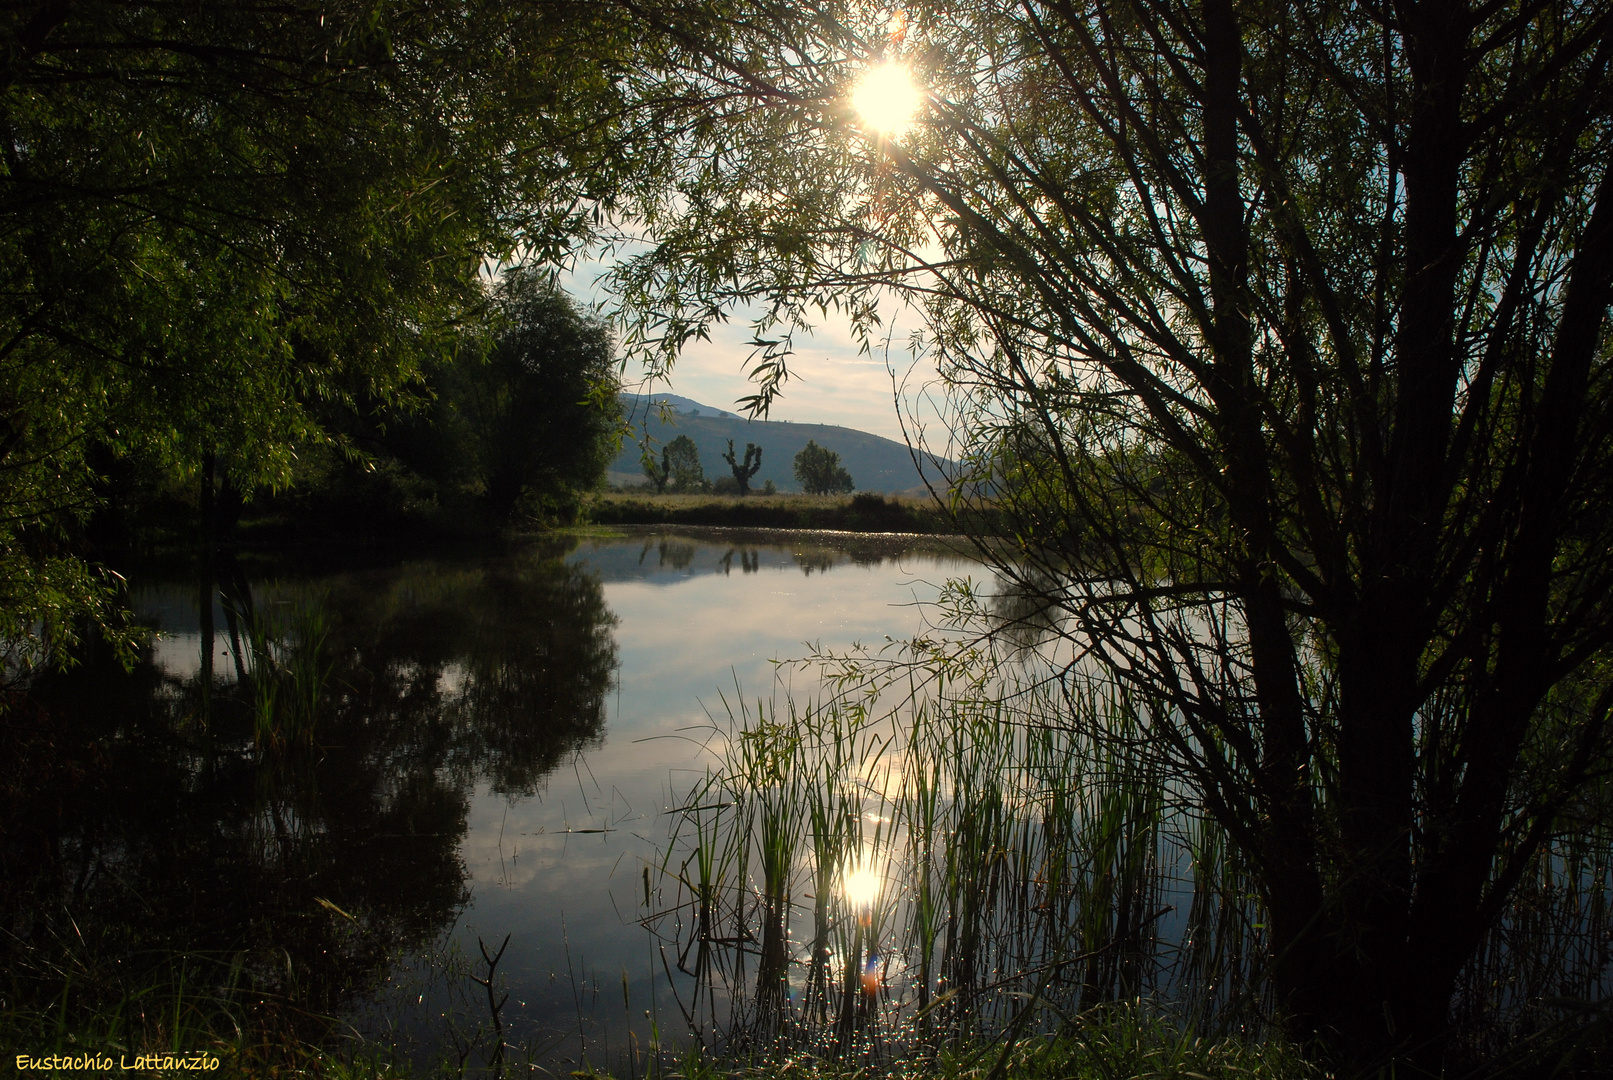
[{"x": 268, "y": 806}]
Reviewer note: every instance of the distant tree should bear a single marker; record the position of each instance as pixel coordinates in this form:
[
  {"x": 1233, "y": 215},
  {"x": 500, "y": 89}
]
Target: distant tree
[
  {"x": 539, "y": 415},
  {"x": 683, "y": 460},
  {"x": 744, "y": 470},
  {"x": 657, "y": 476},
  {"x": 819, "y": 471}
]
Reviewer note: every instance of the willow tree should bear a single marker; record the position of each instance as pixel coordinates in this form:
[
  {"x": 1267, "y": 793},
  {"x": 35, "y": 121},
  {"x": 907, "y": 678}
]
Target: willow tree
[{"x": 1280, "y": 331}]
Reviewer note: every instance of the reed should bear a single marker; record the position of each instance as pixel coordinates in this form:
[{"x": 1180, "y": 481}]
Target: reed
[
  {"x": 888, "y": 874},
  {"x": 906, "y": 873},
  {"x": 289, "y": 672}
]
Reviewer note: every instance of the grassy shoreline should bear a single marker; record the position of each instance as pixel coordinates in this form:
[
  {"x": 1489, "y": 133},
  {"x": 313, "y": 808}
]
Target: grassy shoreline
[{"x": 861, "y": 512}]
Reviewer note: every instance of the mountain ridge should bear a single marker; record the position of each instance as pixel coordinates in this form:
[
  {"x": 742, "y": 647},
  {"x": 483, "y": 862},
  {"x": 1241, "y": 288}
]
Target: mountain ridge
[{"x": 874, "y": 462}]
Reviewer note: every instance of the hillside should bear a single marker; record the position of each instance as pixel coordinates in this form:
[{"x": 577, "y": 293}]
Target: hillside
[{"x": 875, "y": 463}]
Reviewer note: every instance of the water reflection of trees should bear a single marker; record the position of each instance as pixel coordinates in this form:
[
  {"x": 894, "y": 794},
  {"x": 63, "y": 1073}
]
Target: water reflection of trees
[
  {"x": 303, "y": 873},
  {"x": 1022, "y": 616},
  {"x": 670, "y": 553},
  {"x": 750, "y": 561},
  {"x": 819, "y": 559},
  {"x": 509, "y": 663}
]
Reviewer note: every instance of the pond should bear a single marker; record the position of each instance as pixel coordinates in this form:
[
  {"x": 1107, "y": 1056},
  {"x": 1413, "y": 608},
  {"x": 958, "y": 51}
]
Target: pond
[{"x": 496, "y": 743}]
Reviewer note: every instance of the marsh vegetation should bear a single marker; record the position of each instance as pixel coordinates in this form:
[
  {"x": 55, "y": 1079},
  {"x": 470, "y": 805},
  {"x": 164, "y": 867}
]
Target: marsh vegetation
[{"x": 961, "y": 846}]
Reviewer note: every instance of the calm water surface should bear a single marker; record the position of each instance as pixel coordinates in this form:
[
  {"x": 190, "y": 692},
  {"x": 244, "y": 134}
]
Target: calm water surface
[{"x": 499, "y": 740}]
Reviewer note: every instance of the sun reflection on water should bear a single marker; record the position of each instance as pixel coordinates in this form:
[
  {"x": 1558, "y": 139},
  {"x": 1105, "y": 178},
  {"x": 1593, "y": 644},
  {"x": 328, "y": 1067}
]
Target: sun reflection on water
[{"x": 862, "y": 880}]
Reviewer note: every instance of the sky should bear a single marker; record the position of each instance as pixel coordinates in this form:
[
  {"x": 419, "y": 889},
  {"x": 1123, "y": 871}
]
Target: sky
[{"x": 830, "y": 383}]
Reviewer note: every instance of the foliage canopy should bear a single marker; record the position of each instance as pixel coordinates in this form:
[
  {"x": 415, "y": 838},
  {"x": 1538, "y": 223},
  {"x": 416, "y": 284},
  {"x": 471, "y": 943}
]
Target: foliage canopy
[
  {"x": 218, "y": 219},
  {"x": 681, "y": 462},
  {"x": 536, "y": 419},
  {"x": 1281, "y": 332}
]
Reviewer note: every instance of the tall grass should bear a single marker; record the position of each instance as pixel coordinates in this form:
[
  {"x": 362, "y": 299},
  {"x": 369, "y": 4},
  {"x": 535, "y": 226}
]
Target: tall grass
[
  {"x": 987, "y": 859},
  {"x": 64, "y": 995},
  {"x": 846, "y": 875},
  {"x": 1124, "y": 1042},
  {"x": 289, "y": 668}
]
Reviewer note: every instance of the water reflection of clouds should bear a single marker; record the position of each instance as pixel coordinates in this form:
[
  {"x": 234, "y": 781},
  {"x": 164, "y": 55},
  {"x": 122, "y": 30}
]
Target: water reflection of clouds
[
  {"x": 688, "y": 642},
  {"x": 451, "y": 680},
  {"x": 180, "y": 655},
  {"x": 688, "y": 629},
  {"x": 480, "y": 707}
]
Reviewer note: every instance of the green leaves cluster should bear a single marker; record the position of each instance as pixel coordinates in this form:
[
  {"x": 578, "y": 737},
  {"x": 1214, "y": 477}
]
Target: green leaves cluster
[
  {"x": 682, "y": 461},
  {"x": 679, "y": 470},
  {"x": 533, "y": 425}
]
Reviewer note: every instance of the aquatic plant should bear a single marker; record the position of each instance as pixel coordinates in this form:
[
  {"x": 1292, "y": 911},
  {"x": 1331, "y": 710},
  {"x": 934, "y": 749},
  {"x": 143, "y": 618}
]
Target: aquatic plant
[
  {"x": 958, "y": 848},
  {"x": 914, "y": 870},
  {"x": 290, "y": 668}
]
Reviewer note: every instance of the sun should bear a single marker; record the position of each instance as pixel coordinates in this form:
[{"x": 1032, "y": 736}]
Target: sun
[
  {"x": 886, "y": 99},
  {"x": 861, "y": 882}
]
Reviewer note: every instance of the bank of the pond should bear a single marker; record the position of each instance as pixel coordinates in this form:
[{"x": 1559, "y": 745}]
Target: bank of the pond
[
  {"x": 284, "y": 526},
  {"x": 1135, "y": 1042},
  {"x": 862, "y": 512},
  {"x": 1129, "y": 1041}
]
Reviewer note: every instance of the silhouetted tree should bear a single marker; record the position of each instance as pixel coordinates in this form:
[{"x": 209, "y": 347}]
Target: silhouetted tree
[
  {"x": 682, "y": 459},
  {"x": 658, "y": 475},
  {"x": 539, "y": 416},
  {"x": 218, "y": 221},
  {"x": 744, "y": 470},
  {"x": 1287, "y": 325}
]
